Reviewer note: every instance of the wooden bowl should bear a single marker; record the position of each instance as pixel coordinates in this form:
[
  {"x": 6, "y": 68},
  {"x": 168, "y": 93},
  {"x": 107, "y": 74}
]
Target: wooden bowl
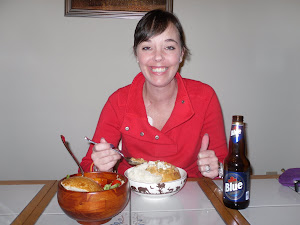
[{"x": 94, "y": 207}]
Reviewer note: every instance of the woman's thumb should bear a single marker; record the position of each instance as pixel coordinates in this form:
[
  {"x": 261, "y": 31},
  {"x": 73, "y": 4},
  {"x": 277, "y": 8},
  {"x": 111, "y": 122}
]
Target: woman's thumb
[
  {"x": 204, "y": 143},
  {"x": 102, "y": 140}
]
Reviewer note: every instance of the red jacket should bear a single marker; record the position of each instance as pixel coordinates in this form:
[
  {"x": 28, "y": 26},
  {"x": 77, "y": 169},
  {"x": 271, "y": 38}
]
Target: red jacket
[{"x": 196, "y": 112}]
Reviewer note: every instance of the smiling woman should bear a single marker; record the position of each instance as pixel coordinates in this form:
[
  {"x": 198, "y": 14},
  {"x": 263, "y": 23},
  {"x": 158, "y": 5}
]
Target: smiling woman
[
  {"x": 159, "y": 61},
  {"x": 160, "y": 115}
]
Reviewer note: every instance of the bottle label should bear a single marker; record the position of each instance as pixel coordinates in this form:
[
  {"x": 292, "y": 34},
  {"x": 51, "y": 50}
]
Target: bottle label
[
  {"x": 236, "y": 186},
  {"x": 236, "y": 133}
]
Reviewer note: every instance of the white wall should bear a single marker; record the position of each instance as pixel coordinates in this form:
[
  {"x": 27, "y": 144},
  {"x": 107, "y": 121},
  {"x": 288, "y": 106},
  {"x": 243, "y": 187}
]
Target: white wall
[{"x": 56, "y": 73}]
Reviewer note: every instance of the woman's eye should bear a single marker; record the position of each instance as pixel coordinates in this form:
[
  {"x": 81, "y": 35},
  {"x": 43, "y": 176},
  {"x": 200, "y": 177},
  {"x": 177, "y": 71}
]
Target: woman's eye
[
  {"x": 146, "y": 48},
  {"x": 170, "y": 48}
]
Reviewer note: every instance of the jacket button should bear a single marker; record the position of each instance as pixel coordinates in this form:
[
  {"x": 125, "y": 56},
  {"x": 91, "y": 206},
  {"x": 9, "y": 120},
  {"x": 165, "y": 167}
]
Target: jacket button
[
  {"x": 142, "y": 134},
  {"x": 126, "y": 128},
  {"x": 182, "y": 101},
  {"x": 156, "y": 137}
]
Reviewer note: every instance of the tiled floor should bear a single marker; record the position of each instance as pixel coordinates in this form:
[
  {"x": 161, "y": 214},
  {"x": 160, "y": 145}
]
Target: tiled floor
[
  {"x": 182, "y": 208},
  {"x": 14, "y": 198},
  {"x": 270, "y": 203}
]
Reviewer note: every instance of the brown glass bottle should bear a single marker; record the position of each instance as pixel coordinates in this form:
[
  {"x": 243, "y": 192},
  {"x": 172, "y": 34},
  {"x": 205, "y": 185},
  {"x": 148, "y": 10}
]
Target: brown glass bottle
[{"x": 236, "y": 180}]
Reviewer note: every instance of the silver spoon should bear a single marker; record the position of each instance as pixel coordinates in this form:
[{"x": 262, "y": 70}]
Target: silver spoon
[
  {"x": 111, "y": 145},
  {"x": 132, "y": 161},
  {"x": 71, "y": 153}
]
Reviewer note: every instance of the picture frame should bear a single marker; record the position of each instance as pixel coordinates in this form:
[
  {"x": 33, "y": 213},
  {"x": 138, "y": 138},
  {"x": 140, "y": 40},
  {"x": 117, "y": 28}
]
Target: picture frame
[{"x": 127, "y": 9}]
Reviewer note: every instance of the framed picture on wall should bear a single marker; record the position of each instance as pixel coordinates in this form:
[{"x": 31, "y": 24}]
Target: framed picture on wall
[{"x": 128, "y": 9}]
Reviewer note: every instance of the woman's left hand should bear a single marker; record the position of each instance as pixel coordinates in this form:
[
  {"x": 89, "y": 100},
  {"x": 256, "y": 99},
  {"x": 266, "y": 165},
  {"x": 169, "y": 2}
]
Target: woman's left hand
[{"x": 208, "y": 163}]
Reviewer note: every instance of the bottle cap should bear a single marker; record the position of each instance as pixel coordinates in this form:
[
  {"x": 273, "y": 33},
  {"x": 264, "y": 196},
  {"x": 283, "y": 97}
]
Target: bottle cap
[{"x": 237, "y": 118}]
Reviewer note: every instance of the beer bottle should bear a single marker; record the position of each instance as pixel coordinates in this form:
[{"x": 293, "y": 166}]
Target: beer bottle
[{"x": 236, "y": 180}]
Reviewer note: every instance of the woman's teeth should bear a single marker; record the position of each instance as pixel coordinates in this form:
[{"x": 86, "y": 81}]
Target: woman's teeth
[{"x": 159, "y": 70}]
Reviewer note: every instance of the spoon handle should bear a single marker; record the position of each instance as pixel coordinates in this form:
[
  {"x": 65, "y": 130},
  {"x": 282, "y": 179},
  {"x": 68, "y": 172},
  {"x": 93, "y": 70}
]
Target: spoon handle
[
  {"x": 89, "y": 140},
  {"x": 111, "y": 146},
  {"x": 71, "y": 153}
]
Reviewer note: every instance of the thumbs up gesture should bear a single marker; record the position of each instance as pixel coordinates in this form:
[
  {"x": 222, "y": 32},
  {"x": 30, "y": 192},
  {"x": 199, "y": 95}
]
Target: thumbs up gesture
[{"x": 207, "y": 160}]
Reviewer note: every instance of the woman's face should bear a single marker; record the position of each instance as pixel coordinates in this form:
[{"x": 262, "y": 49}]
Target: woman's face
[{"x": 160, "y": 56}]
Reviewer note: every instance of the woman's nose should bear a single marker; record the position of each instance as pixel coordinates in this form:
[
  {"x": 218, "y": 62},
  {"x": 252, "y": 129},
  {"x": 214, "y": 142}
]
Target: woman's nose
[{"x": 158, "y": 55}]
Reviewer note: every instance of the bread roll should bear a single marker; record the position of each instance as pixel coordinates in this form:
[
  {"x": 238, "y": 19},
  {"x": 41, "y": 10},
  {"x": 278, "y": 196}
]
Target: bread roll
[
  {"x": 81, "y": 184},
  {"x": 168, "y": 171}
]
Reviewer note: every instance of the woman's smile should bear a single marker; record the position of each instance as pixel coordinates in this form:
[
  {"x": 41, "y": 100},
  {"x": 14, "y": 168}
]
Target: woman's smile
[{"x": 158, "y": 69}]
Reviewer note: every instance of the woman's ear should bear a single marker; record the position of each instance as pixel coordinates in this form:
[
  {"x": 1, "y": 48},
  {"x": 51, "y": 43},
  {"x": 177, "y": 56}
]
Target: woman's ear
[
  {"x": 181, "y": 56},
  {"x": 136, "y": 57}
]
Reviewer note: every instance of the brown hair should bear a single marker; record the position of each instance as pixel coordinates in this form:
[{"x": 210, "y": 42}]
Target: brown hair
[{"x": 154, "y": 23}]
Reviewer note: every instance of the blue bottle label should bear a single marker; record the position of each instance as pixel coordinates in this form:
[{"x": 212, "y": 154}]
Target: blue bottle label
[
  {"x": 236, "y": 186},
  {"x": 236, "y": 133}
]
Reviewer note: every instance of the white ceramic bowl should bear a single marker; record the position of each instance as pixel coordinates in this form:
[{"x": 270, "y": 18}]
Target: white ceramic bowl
[{"x": 157, "y": 190}]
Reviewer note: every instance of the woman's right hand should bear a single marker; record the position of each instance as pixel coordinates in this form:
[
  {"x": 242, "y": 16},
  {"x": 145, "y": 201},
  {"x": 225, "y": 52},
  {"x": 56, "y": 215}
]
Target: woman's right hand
[{"x": 104, "y": 157}]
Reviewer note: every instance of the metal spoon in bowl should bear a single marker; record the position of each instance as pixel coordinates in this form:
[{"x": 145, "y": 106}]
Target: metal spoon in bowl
[
  {"x": 131, "y": 161},
  {"x": 71, "y": 153}
]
